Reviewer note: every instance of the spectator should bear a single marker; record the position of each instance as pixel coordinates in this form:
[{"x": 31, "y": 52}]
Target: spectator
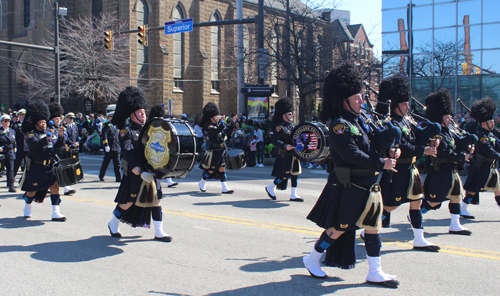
[
  {"x": 260, "y": 144},
  {"x": 93, "y": 143},
  {"x": 246, "y": 143},
  {"x": 238, "y": 136},
  {"x": 253, "y": 150},
  {"x": 268, "y": 142},
  {"x": 198, "y": 130}
]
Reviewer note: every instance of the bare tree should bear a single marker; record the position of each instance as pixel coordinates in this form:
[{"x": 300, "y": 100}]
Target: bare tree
[{"x": 87, "y": 68}]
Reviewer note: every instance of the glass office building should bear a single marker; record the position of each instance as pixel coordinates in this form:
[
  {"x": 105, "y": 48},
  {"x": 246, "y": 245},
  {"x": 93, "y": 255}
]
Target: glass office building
[{"x": 444, "y": 44}]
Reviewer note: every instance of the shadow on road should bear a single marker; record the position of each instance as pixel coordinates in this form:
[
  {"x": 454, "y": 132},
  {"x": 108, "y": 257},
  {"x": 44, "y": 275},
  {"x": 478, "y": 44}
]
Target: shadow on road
[
  {"x": 247, "y": 204},
  {"x": 92, "y": 248}
]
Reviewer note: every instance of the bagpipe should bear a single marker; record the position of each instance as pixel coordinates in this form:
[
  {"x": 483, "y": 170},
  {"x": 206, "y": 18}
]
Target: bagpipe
[
  {"x": 426, "y": 129},
  {"x": 465, "y": 141},
  {"x": 385, "y": 134}
]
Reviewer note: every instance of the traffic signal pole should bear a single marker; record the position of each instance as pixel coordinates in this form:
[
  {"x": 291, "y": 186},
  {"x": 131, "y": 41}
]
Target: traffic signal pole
[{"x": 57, "y": 54}]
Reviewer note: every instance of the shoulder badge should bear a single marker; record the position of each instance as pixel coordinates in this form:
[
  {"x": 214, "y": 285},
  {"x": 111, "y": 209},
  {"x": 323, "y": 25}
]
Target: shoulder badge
[
  {"x": 278, "y": 128},
  {"x": 484, "y": 140},
  {"x": 123, "y": 132},
  {"x": 339, "y": 129},
  {"x": 31, "y": 135}
]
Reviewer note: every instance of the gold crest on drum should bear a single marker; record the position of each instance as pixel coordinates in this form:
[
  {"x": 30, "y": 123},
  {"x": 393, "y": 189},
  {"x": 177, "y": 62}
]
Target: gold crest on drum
[{"x": 158, "y": 154}]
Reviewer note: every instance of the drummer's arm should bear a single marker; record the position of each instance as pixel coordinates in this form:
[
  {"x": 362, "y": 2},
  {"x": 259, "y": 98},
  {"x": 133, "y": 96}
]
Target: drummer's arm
[
  {"x": 278, "y": 133},
  {"x": 35, "y": 142},
  {"x": 128, "y": 150}
]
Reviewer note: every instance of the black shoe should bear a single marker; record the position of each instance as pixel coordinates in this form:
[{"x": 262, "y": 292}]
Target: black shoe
[
  {"x": 119, "y": 180},
  {"x": 101, "y": 179},
  {"x": 173, "y": 184},
  {"x": 461, "y": 232},
  {"x": 230, "y": 191},
  {"x": 467, "y": 216},
  {"x": 428, "y": 248},
  {"x": 62, "y": 219},
  {"x": 70, "y": 192},
  {"x": 12, "y": 189},
  {"x": 114, "y": 234},
  {"x": 167, "y": 238},
  {"x": 393, "y": 284},
  {"x": 273, "y": 197},
  {"x": 296, "y": 199}
]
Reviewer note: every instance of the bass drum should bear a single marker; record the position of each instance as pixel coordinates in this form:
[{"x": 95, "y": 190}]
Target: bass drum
[
  {"x": 167, "y": 148},
  {"x": 310, "y": 140}
]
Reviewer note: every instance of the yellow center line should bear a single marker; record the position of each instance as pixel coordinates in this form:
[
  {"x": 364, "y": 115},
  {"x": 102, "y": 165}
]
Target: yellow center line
[{"x": 298, "y": 229}]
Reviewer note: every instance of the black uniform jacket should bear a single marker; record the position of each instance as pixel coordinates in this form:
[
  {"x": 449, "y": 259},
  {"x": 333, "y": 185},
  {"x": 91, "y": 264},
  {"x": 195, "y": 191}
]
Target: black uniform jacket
[
  {"x": 485, "y": 158},
  {"x": 350, "y": 147},
  {"x": 395, "y": 185},
  {"x": 439, "y": 178},
  {"x": 21, "y": 146},
  {"x": 282, "y": 137},
  {"x": 216, "y": 134},
  {"x": 41, "y": 154},
  {"x": 8, "y": 142},
  {"x": 110, "y": 136}
]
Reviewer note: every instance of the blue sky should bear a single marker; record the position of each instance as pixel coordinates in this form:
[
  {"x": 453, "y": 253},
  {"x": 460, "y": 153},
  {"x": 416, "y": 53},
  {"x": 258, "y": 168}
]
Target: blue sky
[{"x": 368, "y": 13}]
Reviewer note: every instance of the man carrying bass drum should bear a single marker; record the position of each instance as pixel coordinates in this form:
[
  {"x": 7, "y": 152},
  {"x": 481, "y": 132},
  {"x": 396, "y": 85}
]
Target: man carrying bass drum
[
  {"x": 351, "y": 198},
  {"x": 286, "y": 166},
  {"x": 138, "y": 198},
  {"x": 215, "y": 166}
]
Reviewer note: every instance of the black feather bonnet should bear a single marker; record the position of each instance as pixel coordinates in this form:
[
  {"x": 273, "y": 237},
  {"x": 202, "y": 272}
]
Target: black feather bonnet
[
  {"x": 36, "y": 111},
  {"x": 130, "y": 100},
  {"x": 343, "y": 81},
  {"x": 395, "y": 88},
  {"x": 282, "y": 106},
  {"x": 210, "y": 110},
  {"x": 55, "y": 110},
  {"x": 158, "y": 110},
  {"x": 483, "y": 110},
  {"x": 438, "y": 104}
]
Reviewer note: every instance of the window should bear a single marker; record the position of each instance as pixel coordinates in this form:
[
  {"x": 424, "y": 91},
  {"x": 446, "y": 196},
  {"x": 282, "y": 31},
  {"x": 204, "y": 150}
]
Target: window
[
  {"x": 96, "y": 8},
  {"x": 142, "y": 14},
  {"x": 445, "y": 15},
  {"x": 27, "y": 11},
  {"x": 273, "y": 51},
  {"x": 214, "y": 53},
  {"x": 178, "y": 49}
]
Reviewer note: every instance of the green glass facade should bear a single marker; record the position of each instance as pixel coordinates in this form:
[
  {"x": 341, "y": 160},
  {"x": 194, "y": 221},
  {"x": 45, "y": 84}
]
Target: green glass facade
[{"x": 444, "y": 44}]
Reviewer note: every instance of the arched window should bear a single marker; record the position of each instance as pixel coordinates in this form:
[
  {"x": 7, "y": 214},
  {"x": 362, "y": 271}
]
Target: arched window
[
  {"x": 214, "y": 53},
  {"x": 178, "y": 49},
  {"x": 142, "y": 13}
]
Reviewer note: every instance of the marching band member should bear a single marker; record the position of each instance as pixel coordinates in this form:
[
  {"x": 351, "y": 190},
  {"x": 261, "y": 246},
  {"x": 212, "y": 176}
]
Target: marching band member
[
  {"x": 138, "y": 198},
  {"x": 73, "y": 141},
  {"x": 483, "y": 175},
  {"x": 21, "y": 148},
  {"x": 286, "y": 166},
  {"x": 216, "y": 166},
  {"x": 443, "y": 181},
  {"x": 351, "y": 192},
  {"x": 111, "y": 149},
  {"x": 8, "y": 148},
  {"x": 39, "y": 175},
  {"x": 405, "y": 185}
]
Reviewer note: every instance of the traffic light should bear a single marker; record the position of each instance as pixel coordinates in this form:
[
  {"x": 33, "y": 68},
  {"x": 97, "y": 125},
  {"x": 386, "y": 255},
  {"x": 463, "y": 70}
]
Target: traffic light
[
  {"x": 464, "y": 69},
  {"x": 142, "y": 35},
  {"x": 477, "y": 70},
  {"x": 108, "y": 41}
]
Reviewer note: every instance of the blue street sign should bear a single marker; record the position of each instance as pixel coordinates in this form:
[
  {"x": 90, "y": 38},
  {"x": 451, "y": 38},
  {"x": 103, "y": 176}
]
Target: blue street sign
[{"x": 179, "y": 26}]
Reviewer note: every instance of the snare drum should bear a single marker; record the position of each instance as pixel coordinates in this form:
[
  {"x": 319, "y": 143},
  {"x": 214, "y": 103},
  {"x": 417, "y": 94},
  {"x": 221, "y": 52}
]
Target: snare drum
[
  {"x": 235, "y": 159},
  {"x": 69, "y": 152},
  {"x": 167, "y": 148},
  {"x": 313, "y": 139},
  {"x": 68, "y": 171},
  {"x": 2, "y": 163}
]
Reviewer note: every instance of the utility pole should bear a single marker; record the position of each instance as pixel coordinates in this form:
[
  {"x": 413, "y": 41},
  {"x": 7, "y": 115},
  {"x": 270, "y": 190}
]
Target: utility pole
[
  {"x": 287, "y": 50},
  {"x": 57, "y": 53},
  {"x": 260, "y": 36},
  {"x": 240, "y": 57}
]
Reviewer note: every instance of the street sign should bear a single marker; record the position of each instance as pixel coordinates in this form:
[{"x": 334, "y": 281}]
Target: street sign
[
  {"x": 257, "y": 90},
  {"x": 179, "y": 26}
]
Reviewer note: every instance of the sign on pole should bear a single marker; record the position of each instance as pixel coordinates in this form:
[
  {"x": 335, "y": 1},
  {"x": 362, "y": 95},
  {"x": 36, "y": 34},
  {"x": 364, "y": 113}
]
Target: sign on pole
[{"x": 179, "y": 26}]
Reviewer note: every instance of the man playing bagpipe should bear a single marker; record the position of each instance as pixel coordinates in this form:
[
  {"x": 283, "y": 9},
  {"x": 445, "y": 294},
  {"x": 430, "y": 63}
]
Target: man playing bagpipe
[
  {"x": 39, "y": 175},
  {"x": 351, "y": 198},
  {"x": 483, "y": 175},
  {"x": 443, "y": 181},
  {"x": 286, "y": 165},
  {"x": 139, "y": 195},
  {"x": 213, "y": 163},
  {"x": 405, "y": 185}
]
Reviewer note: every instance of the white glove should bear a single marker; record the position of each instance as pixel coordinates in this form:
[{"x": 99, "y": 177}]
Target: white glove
[
  {"x": 148, "y": 177},
  {"x": 106, "y": 149}
]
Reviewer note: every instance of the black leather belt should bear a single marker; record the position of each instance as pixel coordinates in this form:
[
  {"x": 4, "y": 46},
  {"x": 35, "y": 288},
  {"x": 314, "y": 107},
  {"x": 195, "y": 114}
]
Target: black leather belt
[
  {"x": 221, "y": 145},
  {"x": 448, "y": 161},
  {"x": 406, "y": 160},
  {"x": 45, "y": 162},
  {"x": 363, "y": 172}
]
